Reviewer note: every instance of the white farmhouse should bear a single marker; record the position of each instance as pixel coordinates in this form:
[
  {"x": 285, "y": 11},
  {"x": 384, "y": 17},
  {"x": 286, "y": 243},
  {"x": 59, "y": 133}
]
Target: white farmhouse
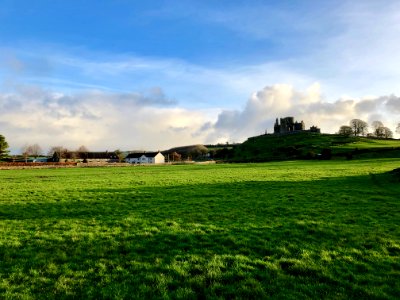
[{"x": 145, "y": 158}]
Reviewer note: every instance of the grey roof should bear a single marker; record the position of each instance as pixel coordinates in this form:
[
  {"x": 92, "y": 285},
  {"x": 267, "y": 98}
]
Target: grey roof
[
  {"x": 139, "y": 154},
  {"x": 90, "y": 155}
]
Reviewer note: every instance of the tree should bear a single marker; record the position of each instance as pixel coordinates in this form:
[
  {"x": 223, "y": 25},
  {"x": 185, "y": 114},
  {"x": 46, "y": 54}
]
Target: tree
[
  {"x": 380, "y": 131},
  {"x": 174, "y": 156},
  {"x": 25, "y": 152},
  {"x": 82, "y": 153},
  {"x": 326, "y": 153},
  {"x": 377, "y": 127},
  {"x": 345, "y": 130},
  {"x": 197, "y": 151},
  {"x": 359, "y": 127},
  {"x": 223, "y": 153},
  {"x": 32, "y": 150},
  {"x": 58, "y": 152},
  {"x": 3, "y": 147},
  {"x": 82, "y": 149},
  {"x": 120, "y": 155},
  {"x": 398, "y": 128},
  {"x": 387, "y": 133},
  {"x": 377, "y": 124}
]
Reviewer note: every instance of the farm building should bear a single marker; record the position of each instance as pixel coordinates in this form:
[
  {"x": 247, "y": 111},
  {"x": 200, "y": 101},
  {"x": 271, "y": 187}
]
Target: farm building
[
  {"x": 145, "y": 158},
  {"x": 89, "y": 157},
  {"x": 109, "y": 157}
]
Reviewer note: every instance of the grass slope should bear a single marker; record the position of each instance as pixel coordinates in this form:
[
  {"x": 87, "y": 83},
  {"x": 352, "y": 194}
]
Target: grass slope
[
  {"x": 307, "y": 145},
  {"x": 287, "y": 230}
]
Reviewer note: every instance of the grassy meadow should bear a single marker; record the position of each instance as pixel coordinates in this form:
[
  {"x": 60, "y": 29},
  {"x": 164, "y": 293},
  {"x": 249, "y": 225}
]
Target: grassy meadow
[
  {"x": 282, "y": 230},
  {"x": 305, "y": 145}
]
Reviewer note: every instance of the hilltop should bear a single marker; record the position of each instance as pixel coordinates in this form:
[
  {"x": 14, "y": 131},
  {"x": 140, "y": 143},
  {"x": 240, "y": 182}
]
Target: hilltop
[{"x": 309, "y": 145}]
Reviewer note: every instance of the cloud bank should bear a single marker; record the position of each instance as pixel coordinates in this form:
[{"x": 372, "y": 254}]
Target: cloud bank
[
  {"x": 281, "y": 100},
  {"x": 152, "y": 121},
  {"x": 96, "y": 119}
]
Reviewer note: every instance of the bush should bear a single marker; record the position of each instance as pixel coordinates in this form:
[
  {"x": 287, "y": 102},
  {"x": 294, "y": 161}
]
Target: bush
[{"x": 326, "y": 154}]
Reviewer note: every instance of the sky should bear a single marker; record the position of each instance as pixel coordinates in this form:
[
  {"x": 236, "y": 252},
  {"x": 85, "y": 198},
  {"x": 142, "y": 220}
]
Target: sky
[{"x": 132, "y": 75}]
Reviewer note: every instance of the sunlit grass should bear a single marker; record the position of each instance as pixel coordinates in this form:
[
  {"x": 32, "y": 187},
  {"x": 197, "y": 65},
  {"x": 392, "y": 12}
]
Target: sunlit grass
[
  {"x": 250, "y": 231},
  {"x": 365, "y": 143}
]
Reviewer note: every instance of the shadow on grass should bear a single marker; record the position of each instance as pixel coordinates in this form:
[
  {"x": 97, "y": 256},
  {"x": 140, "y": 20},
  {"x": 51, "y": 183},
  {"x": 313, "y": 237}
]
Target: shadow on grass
[
  {"x": 241, "y": 202},
  {"x": 329, "y": 238}
]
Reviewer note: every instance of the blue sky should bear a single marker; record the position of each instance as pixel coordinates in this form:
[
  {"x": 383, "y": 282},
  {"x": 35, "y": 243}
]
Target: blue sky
[
  {"x": 196, "y": 31},
  {"x": 164, "y": 73}
]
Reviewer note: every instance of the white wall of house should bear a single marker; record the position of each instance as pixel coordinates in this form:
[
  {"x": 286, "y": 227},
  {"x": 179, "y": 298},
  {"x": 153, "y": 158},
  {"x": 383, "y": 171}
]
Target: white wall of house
[{"x": 158, "y": 159}]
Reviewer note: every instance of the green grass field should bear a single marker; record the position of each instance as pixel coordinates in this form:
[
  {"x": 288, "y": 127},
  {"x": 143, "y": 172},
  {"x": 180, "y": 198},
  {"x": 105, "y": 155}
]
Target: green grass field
[
  {"x": 368, "y": 143},
  {"x": 282, "y": 230},
  {"x": 306, "y": 145}
]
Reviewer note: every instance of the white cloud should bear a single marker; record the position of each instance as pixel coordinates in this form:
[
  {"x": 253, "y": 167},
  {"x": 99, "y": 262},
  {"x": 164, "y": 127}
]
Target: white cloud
[
  {"x": 99, "y": 120},
  {"x": 283, "y": 100},
  {"x": 107, "y": 121}
]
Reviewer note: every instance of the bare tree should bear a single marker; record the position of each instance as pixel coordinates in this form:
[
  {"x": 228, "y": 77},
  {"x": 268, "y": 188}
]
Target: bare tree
[
  {"x": 58, "y": 152},
  {"x": 82, "y": 149},
  {"x": 120, "y": 155},
  {"x": 398, "y": 128},
  {"x": 25, "y": 152},
  {"x": 377, "y": 124},
  {"x": 82, "y": 153},
  {"x": 378, "y": 129},
  {"x": 174, "y": 156},
  {"x": 387, "y": 133},
  {"x": 31, "y": 150},
  {"x": 345, "y": 130},
  {"x": 359, "y": 127},
  {"x": 381, "y": 131},
  {"x": 35, "y": 150}
]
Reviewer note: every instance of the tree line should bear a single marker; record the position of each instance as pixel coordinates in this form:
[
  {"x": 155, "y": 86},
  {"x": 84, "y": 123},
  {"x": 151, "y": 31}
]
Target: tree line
[
  {"x": 34, "y": 150},
  {"x": 359, "y": 127}
]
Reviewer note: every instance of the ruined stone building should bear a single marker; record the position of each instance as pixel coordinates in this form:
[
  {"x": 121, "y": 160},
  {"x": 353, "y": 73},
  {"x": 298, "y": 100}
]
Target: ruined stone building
[{"x": 288, "y": 125}]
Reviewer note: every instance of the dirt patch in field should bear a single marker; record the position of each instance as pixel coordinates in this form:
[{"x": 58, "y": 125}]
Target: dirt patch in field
[
  {"x": 50, "y": 165},
  {"x": 28, "y": 165}
]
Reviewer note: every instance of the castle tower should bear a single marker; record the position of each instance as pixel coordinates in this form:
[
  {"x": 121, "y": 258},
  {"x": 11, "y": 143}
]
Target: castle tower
[{"x": 277, "y": 128}]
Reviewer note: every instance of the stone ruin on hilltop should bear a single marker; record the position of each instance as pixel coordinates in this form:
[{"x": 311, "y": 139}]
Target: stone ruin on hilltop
[{"x": 288, "y": 125}]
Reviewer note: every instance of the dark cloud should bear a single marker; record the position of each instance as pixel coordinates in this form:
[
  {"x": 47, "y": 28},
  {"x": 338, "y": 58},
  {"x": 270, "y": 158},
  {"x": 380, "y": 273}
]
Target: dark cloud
[
  {"x": 27, "y": 64},
  {"x": 390, "y": 103},
  {"x": 156, "y": 96},
  {"x": 367, "y": 105},
  {"x": 393, "y": 104},
  {"x": 153, "y": 97},
  {"x": 228, "y": 119},
  {"x": 329, "y": 108}
]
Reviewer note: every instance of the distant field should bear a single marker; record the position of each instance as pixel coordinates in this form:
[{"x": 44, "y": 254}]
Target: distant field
[{"x": 287, "y": 230}]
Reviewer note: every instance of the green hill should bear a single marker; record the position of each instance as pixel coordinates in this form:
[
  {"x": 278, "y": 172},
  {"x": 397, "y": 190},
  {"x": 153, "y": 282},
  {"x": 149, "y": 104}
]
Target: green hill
[{"x": 311, "y": 146}]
